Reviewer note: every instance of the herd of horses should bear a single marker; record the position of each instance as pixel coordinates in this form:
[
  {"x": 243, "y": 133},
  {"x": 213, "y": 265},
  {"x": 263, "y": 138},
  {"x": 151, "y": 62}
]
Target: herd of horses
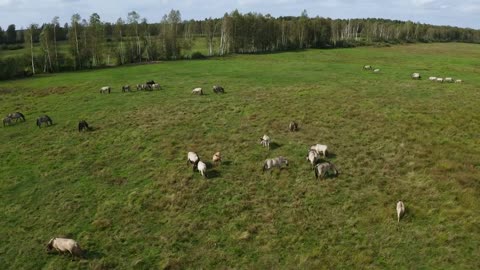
[
  {"x": 18, "y": 116},
  {"x": 321, "y": 166}
]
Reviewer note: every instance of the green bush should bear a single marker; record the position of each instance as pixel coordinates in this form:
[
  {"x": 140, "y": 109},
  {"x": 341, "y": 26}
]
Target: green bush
[{"x": 197, "y": 55}]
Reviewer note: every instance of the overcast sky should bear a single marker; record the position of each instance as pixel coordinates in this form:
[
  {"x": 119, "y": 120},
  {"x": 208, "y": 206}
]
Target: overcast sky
[{"x": 463, "y": 13}]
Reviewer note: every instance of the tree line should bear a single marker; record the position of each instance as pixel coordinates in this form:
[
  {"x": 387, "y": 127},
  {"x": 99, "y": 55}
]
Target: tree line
[{"x": 93, "y": 43}]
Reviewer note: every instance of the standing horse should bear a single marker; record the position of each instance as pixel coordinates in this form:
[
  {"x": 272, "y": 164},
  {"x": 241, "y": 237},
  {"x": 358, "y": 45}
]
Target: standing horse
[
  {"x": 105, "y": 89},
  {"x": 16, "y": 115},
  {"x": 44, "y": 119},
  {"x": 83, "y": 125},
  {"x": 218, "y": 89},
  {"x": 7, "y": 121}
]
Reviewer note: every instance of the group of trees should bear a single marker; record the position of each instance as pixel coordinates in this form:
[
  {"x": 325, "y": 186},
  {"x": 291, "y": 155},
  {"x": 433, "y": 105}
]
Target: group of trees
[{"x": 93, "y": 43}]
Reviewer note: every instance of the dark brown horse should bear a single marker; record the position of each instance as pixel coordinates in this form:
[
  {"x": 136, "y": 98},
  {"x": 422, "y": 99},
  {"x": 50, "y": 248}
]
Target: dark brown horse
[
  {"x": 44, "y": 119},
  {"x": 83, "y": 125}
]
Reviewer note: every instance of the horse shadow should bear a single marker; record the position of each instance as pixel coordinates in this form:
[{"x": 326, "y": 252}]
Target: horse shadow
[
  {"x": 92, "y": 129},
  {"x": 212, "y": 174},
  {"x": 274, "y": 145},
  {"x": 45, "y": 126},
  {"x": 331, "y": 155},
  {"x": 92, "y": 255},
  {"x": 226, "y": 163}
]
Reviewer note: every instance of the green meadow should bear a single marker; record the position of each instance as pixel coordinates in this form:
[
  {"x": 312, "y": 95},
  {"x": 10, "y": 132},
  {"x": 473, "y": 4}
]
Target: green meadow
[{"x": 126, "y": 194}]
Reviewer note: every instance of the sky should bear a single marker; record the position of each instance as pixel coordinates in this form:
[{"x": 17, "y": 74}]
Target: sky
[{"x": 463, "y": 13}]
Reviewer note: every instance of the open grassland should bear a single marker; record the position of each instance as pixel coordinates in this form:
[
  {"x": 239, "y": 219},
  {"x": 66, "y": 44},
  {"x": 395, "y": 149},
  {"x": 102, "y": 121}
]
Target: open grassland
[{"x": 125, "y": 193}]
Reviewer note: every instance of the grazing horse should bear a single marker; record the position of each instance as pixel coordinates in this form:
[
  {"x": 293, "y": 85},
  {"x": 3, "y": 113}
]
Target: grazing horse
[
  {"x": 105, "y": 89},
  {"x": 65, "y": 245},
  {"x": 83, "y": 125},
  {"x": 400, "y": 210},
  {"x": 7, "y": 121},
  {"x": 44, "y": 119},
  {"x": 192, "y": 158},
  {"x": 274, "y": 162},
  {"x": 322, "y": 169},
  {"x": 155, "y": 86},
  {"x": 16, "y": 115},
  {"x": 197, "y": 91},
  {"x": 218, "y": 89},
  {"x": 293, "y": 126},
  {"x": 126, "y": 88},
  {"x": 265, "y": 141}
]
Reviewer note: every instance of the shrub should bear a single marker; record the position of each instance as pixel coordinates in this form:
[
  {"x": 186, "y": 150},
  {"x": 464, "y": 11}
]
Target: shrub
[{"x": 197, "y": 55}]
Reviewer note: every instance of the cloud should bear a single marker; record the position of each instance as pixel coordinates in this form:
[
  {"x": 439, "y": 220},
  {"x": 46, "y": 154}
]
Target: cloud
[{"x": 24, "y": 12}]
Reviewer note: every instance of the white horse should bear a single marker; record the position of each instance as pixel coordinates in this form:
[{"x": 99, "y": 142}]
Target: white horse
[
  {"x": 192, "y": 158},
  {"x": 400, "y": 210},
  {"x": 63, "y": 245},
  {"x": 202, "y": 168},
  {"x": 197, "y": 91},
  {"x": 105, "y": 89},
  {"x": 320, "y": 149},
  {"x": 312, "y": 157},
  {"x": 265, "y": 141},
  {"x": 274, "y": 162},
  {"x": 416, "y": 76}
]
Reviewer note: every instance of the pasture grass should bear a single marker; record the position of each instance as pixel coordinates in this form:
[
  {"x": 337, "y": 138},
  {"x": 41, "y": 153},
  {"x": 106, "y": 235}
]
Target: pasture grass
[{"x": 125, "y": 193}]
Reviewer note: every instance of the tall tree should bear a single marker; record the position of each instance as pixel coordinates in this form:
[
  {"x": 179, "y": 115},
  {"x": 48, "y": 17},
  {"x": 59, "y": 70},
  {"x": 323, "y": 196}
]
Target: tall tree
[
  {"x": 132, "y": 19},
  {"x": 56, "y": 25},
  {"x": 2, "y": 36},
  {"x": 118, "y": 32},
  {"x": 29, "y": 39},
  {"x": 96, "y": 38},
  {"x": 45, "y": 44},
  {"x": 73, "y": 36},
  {"x": 210, "y": 30},
  {"x": 11, "y": 34}
]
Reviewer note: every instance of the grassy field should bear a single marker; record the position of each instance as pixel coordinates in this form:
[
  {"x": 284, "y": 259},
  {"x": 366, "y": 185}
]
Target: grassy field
[{"x": 125, "y": 193}]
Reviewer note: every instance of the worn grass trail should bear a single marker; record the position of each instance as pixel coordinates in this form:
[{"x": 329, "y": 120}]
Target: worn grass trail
[{"x": 125, "y": 193}]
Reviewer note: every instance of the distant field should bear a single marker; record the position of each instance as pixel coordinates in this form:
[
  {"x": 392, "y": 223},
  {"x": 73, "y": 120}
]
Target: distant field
[{"x": 125, "y": 193}]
